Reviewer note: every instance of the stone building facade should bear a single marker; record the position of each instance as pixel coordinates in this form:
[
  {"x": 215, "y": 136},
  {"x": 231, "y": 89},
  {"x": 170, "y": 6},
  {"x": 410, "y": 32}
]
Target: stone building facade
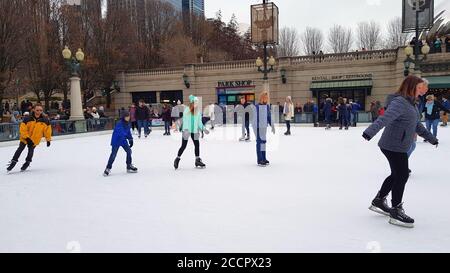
[{"x": 363, "y": 76}]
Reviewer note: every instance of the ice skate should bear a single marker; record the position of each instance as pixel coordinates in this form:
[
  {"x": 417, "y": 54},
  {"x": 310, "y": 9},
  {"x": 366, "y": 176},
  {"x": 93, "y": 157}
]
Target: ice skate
[
  {"x": 199, "y": 164},
  {"x": 262, "y": 164},
  {"x": 399, "y": 218},
  {"x": 131, "y": 169},
  {"x": 107, "y": 172},
  {"x": 11, "y": 165},
  {"x": 176, "y": 163},
  {"x": 25, "y": 166},
  {"x": 247, "y": 139},
  {"x": 267, "y": 162},
  {"x": 242, "y": 139},
  {"x": 379, "y": 205}
]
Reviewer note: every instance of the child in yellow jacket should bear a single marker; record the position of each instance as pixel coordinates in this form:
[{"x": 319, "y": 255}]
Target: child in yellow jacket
[{"x": 32, "y": 130}]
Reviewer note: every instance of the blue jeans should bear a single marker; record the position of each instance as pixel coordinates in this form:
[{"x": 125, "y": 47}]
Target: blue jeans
[
  {"x": 261, "y": 140},
  {"x": 434, "y": 123},
  {"x": 412, "y": 149},
  {"x": 113, "y": 155},
  {"x": 143, "y": 123}
]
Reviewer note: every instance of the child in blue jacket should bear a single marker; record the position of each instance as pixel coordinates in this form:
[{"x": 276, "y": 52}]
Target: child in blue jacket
[{"x": 121, "y": 138}]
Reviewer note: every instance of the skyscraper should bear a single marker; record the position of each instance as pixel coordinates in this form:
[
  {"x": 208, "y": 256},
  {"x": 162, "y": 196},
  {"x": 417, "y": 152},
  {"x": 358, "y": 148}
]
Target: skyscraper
[{"x": 196, "y": 7}]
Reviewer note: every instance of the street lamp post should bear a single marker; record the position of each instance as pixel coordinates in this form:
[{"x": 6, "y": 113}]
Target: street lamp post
[
  {"x": 264, "y": 28},
  {"x": 417, "y": 61},
  {"x": 74, "y": 64}
]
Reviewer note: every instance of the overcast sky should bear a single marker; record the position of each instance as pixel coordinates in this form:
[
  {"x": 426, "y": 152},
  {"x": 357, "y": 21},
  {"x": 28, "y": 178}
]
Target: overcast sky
[{"x": 318, "y": 13}]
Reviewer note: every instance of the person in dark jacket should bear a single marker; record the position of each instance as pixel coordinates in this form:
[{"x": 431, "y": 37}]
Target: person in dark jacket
[
  {"x": 432, "y": 111},
  {"x": 327, "y": 112},
  {"x": 401, "y": 123},
  {"x": 121, "y": 137},
  {"x": 142, "y": 118},
  {"x": 243, "y": 110},
  {"x": 167, "y": 118},
  {"x": 262, "y": 119},
  {"x": 343, "y": 114}
]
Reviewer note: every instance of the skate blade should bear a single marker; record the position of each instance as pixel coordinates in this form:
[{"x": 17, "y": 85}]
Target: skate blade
[
  {"x": 199, "y": 167},
  {"x": 379, "y": 211},
  {"x": 130, "y": 171},
  {"x": 400, "y": 224}
]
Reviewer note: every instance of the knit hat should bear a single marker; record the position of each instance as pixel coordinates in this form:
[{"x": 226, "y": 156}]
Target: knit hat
[
  {"x": 124, "y": 114},
  {"x": 193, "y": 99}
]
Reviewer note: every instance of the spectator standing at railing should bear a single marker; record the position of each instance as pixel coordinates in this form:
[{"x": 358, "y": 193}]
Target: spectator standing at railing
[
  {"x": 437, "y": 45},
  {"x": 142, "y": 117},
  {"x": 32, "y": 130},
  {"x": 374, "y": 110},
  {"x": 298, "y": 109},
  {"x": 447, "y": 43},
  {"x": 15, "y": 120},
  {"x": 101, "y": 112}
]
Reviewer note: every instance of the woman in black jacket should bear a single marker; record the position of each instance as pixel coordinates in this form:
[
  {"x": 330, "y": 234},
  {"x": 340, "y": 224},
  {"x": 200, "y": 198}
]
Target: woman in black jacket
[
  {"x": 401, "y": 122},
  {"x": 432, "y": 111}
]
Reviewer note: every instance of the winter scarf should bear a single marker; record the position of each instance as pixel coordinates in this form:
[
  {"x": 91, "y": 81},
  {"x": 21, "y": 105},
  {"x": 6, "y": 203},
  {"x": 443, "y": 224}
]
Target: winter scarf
[{"x": 429, "y": 106}]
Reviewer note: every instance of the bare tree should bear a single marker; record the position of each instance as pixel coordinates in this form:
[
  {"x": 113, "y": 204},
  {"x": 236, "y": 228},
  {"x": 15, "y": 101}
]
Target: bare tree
[
  {"x": 312, "y": 40},
  {"x": 12, "y": 30},
  {"x": 340, "y": 40},
  {"x": 289, "y": 43},
  {"x": 395, "y": 37},
  {"x": 369, "y": 35}
]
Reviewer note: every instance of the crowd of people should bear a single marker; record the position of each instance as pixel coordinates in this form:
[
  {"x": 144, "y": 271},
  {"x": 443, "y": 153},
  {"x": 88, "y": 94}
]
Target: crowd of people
[{"x": 435, "y": 43}]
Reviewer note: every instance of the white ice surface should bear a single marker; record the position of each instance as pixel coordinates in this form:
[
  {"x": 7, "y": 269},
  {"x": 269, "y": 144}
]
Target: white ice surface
[{"x": 313, "y": 198}]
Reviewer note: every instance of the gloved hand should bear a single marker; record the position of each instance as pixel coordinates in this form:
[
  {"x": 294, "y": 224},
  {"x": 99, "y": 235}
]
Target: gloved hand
[
  {"x": 366, "y": 137},
  {"x": 48, "y": 143},
  {"x": 29, "y": 142},
  {"x": 273, "y": 130},
  {"x": 206, "y": 131},
  {"x": 131, "y": 142}
]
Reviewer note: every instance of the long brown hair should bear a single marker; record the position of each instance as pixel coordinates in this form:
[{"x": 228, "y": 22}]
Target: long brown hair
[{"x": 409, "y": 86}]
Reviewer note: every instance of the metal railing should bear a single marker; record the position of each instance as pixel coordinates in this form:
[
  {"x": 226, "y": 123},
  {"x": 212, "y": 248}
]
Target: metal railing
[{"x": 10, "y": 131}]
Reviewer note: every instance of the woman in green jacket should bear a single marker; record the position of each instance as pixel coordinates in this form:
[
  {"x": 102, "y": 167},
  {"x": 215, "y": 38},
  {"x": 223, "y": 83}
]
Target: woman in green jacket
[{"x": 192, "y": 127}]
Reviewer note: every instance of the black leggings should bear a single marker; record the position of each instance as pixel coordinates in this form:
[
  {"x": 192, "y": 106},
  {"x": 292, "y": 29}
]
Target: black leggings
[
  {"x": 288, "y": 125},
  {"x": 20, "y": 150},
  {"x": 184, "y": 143},
  {"x": 396, "y": 182}
]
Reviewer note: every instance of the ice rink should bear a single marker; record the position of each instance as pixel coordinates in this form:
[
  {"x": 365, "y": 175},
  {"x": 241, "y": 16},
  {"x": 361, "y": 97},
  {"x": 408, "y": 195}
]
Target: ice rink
[{"x": 313, "y": 198}]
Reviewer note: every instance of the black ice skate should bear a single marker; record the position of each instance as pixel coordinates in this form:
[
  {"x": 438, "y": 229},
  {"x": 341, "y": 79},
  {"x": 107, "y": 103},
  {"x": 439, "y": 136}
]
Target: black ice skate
[
  {"x": 131, "y": 169},
  {"x": 328, "y": 127},
  {"x": 262, "y": 164},
  {"x": 107, "y": 172},
  {"x": 242, "y": 138},
  {"x": 379, "y": 205},
  {"x": 267, "y": 162},
  {"x": 399, "y": 218},
  {"x": 176, "y": 163},
  {"x": 25, "y": 166},
  {"x": 11, "y": 165},
  {"x": 199, "y": 164},
  {"x": 247, "y": 139}
]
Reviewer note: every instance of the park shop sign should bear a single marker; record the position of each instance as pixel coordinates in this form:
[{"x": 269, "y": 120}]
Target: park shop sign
[
  {"x": 342, "y": 77},
  {"x": 234, "y": 84}
]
